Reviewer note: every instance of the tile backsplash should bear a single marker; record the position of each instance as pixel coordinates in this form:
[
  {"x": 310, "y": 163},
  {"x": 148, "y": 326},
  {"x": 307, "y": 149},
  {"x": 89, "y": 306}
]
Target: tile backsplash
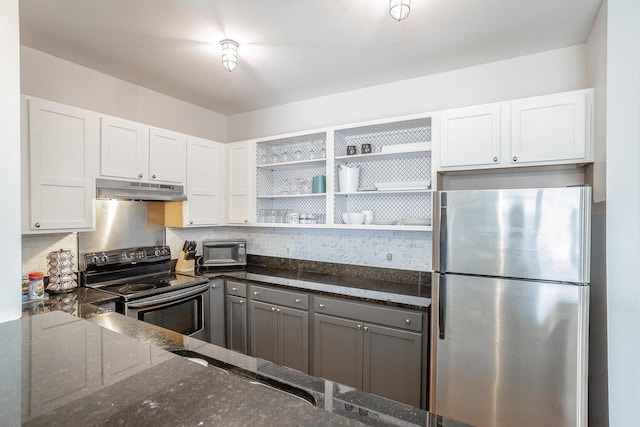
[
  {"x": 409, "y": 250},
  {"x": 36, "y": 247}
]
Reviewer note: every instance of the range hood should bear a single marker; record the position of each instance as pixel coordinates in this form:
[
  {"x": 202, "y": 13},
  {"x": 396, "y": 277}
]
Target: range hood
[{"x": 133, "y": 190}]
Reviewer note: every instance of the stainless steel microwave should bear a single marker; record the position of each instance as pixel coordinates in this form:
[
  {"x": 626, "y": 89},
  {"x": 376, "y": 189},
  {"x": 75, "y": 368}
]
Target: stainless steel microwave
[{"x": 224, "y": 253}]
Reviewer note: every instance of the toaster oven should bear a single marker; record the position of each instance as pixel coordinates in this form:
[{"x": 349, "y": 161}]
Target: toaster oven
[{"x": 224, "y": 253}]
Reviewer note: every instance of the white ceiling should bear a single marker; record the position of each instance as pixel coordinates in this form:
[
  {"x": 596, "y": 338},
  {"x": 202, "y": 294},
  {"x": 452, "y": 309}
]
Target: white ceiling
[{"x": 292, "y": 50}]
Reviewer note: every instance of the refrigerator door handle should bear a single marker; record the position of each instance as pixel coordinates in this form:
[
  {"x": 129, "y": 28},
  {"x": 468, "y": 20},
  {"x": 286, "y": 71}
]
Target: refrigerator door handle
[
  {"x": 442, "y": 302},
  {"x": 443, "y": 232}
]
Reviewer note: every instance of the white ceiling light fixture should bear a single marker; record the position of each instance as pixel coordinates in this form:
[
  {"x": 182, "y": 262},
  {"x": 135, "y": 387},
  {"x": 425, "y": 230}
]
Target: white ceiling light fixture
[
  {"x": 399, "y": 9},
  {"x": 229, "y": 54}
]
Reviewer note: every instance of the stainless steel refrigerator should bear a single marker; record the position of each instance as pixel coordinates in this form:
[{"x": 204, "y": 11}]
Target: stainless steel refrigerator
[{"x": 510, "y": 307}]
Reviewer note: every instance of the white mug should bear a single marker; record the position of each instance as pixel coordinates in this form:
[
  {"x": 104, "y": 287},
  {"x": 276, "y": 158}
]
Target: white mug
[{"x": 368, "y": 216}]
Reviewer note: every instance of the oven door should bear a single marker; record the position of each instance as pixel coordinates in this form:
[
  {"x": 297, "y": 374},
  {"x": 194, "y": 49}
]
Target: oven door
[{"x": 185, "y": 311}]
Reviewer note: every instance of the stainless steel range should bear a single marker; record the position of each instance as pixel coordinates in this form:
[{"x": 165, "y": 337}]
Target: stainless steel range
[{"x": 148, "y": 291}]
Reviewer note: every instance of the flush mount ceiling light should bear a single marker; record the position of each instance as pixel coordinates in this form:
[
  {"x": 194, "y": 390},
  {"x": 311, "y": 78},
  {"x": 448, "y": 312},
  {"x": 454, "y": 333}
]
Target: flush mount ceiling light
[
  {"x": 229, "y": 54},
  {"x": 399, "y": 9}
]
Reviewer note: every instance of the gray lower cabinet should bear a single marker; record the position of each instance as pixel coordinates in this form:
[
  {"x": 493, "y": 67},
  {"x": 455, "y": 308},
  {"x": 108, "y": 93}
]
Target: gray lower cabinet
[
  {"x": 278, "y": 333},
  {"x": 384, "y": 358},
  {"x": 217, "y": 317},
  {"x": 236, "y": 316}
]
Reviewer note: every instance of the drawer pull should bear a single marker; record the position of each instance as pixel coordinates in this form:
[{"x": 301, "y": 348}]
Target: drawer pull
[
  {"x": 366, "y": 328},
  {"x": 214, "y": 286},
  {"x": 273, "y": 309},
  {"x": 297, "y": 300},
  {"x": 358, "y": 327},
  {"x": 321, "y": 306},
  {"x": 256, "y": 293},
  {"x": 241, "y": 301},
  {"x": 234, "y": 289},
  {"x": 278, "y": 310},
  {"x": 408, "y": 321}
]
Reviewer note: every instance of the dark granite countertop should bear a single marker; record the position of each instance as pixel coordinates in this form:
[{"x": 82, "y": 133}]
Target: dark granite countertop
[
  {"x": 412, "y": 295},
  {"x": 114, "y": 370}
]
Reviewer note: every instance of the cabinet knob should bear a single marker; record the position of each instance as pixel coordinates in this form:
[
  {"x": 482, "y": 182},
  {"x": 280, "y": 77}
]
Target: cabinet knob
[
  {"x": 140, "y": 175},
  {"x": 297, "y": 300},
  {"x": 495, "y": 158},
  {"x": 153, "y": 176},
  {"x": 234, "y": 289},
  {"x": 37, "y": 225},
  {"x": 358, "y": 327},
  {"x": 515, "y": 158},
  {"x": 256, "y": 293},
  {"x": 273, "y": 309},
  {"x": 246, "y": 221},
  {"x": 366, "y": 328},
  {"x": 190, "y": 222},
  {"x": 278, "y": 310},
  {"x": 321, "y": 306},
  {"x": 408, "y": 321},
  {"x": 241, "y": 301},
  {"x": 214, "y": 286}
]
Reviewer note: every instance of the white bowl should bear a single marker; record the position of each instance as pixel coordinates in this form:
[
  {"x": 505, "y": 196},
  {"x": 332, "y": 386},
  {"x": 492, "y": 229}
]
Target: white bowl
[
  {"x": 345, "y": 217},
  {"x": 356, "y": 218}
]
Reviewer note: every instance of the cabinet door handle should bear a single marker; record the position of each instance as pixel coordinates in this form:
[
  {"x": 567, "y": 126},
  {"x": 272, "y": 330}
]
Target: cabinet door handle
[
  {"x": 358, "y": 327},
  {"x": 297, "y": 300},
  {"x": 214, "y": 286},
  {"x": 366, "y": 328},
  {"x": 515, "y": 158},
  {"x": 191, "y": 222},
  {"x": 256, "y": 293},
  {"x": 495, "y": 158},
  {"x": 273, "y": 309},
  {"x": 140, "y": 175},
  {"x": 321, "y": 306},
  {"x": 241, "y": 301},
  {"x": 234, "y": 289},
  {"x": 37, "y": 225},
  {"x": 408, "y": 321},
  {"x": 246, "y": 221},
  {"x": 278, "y": 310}
]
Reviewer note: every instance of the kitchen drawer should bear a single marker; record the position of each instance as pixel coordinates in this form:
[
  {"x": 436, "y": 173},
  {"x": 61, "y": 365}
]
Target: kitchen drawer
[
  {"x": 236, "y": 288},
  {"x": 369, "y": 313},
  {"x": 275, "y": 296}
]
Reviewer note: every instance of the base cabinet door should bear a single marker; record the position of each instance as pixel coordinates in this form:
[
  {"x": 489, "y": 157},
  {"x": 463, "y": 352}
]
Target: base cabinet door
[
  {"x": 293, "y": 338},
  {"x": 264, "y": 331},
  {"x": 237, "y": 323},
  {"x": 338, "y": 350},
  {"x": 391, "y": 365},
  {"x": 218, "y": 333}
]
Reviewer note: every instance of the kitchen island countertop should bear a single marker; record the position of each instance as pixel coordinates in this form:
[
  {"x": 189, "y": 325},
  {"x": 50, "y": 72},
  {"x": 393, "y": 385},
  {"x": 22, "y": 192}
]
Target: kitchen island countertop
[{"x": 113, "y": 370}]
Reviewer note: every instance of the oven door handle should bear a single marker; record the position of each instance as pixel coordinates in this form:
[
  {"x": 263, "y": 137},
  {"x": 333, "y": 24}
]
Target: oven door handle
[{"x": 146, "y": 302}]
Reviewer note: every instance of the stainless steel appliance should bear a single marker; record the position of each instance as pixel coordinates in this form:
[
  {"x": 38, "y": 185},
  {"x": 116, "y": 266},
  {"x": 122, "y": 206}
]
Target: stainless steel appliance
[
  {"x": 511, "y": 298},
  {"x": 224, "y": 253},
  {"x": 135, "y": 190},
  {"x": 148, "y": 291}
]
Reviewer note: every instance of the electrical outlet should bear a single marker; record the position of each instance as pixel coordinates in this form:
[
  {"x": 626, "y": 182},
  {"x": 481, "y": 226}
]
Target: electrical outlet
[{"x": 389, "y": 256}]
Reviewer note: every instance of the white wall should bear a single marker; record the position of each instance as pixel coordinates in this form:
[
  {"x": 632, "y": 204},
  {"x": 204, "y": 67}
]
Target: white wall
[
  {"x": 539, "y": 74},
  {"x": 46, "y": 76},
  {"x": 596, "y": 77},
  {"x": 623, "y": 210},
  {"x": 10, "y": 302}
]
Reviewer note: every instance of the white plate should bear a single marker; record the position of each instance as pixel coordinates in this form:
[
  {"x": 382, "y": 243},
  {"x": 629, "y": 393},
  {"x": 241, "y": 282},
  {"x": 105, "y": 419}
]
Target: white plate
[
  {"x": 384, "y": 222},
  {"x": 415, "y": 221}
]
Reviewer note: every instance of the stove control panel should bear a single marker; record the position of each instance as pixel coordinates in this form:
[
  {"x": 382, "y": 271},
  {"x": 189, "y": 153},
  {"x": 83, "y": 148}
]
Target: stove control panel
[{"x": 127, "y": 256}]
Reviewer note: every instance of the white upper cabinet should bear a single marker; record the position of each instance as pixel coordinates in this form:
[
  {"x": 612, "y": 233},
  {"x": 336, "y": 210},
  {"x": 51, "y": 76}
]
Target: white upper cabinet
[
  {"x": 124, "y": 149},
  {"x": 550, "y": 129},
  {"x": 239, "y": 155},
  {"x": 167, "y": 156},
  {"x": 134, "y": 151},
  {"x": 58, "y": 152},
  {"x": 470, "y": 136},
  {"x": 205, "y": 182},
  {"x": 545, "y": 130}
]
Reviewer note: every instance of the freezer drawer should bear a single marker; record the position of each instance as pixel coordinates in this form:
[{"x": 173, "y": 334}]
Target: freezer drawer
[
  {"x": 536, "y": 233},
  {"x": 510, "y": 352}
]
